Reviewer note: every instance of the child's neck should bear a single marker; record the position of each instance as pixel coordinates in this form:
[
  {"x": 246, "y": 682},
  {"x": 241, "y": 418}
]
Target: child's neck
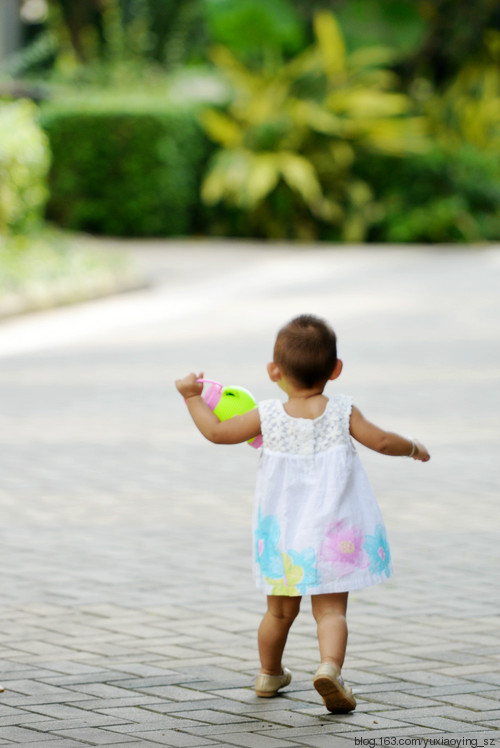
[{"x": 305, "y": 403}]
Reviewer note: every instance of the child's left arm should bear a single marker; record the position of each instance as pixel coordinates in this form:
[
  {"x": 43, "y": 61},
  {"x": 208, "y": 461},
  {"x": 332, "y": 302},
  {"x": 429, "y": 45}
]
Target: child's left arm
[
  {"x": 385, "y": 442},
  {"x": 233, "y": 431}
]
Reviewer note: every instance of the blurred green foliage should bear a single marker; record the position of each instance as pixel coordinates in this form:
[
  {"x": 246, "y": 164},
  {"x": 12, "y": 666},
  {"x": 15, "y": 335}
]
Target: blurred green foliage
[
  {"x": 468, "y": 111},
  {"x": 125, "y": 168},
  {"x": 317, "y": 135},
  {"x": 24, "y": 164},
  {"x": 299, "y": 129},
  {"x": 255, "y": 30},
  {"x": 455, "y": 35},
  {"x": 451, "y": 193},
  {"x": 439, "y": 196},
  {"x": 397, "y": 24},
  {"x": 433, "y": 38}
]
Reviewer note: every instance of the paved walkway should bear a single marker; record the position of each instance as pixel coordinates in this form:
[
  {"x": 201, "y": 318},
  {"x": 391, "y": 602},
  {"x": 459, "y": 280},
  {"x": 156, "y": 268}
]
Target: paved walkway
[{"x": 128, "y": 614}]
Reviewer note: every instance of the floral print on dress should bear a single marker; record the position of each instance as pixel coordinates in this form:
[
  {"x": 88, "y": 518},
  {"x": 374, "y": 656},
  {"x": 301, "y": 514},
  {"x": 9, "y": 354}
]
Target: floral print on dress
[
  {"x": 378, "y": 552},
  {"x": 288, "y": 583},
  {"x": 307, "y": 561},
  {"x": 343, "y": 549},
  {"x": 267, "y": 553},
  {"x": 288, "y": 573}
]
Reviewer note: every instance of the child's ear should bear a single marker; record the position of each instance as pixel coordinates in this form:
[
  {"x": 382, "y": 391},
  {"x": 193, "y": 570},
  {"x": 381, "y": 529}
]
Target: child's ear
[
  {"x": 337, "y": 370},
  {"x": 274, "y": 372}
]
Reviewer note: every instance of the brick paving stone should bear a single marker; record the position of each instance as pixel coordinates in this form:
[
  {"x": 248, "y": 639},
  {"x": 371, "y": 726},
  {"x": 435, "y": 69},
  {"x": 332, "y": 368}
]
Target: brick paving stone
[
  {"x": 20, "y": 734},
  {"x": 125, "y": 541},
  {"x": 389, "y": 699},
  {"x": 133, "y": 728},
  {"x": 118, "y": 702},
  {"x": 326, "y": 741},
  {"x": 8, "y": 711},
  {"x": 378, "y": 688},
  {"x": 33, "y": 688},
  {"x": 57, "y": 711},
  {"x": 300, "y": 733},
  {"x": 253, "y": 740},
  {"x": 288, "y": 718},
  {"x": 21, "y": 719},
  {"x": 94, "y": 736},
  {"x": 460, "y": 714},
  {"x": 90, "y": 678},
  {"x": 14, "y": 699},
  {"x": 131, "y": 714},
  {"x": 141, "y": 743},
  {"x": 48, "y": 726},
  {"x": 173, "y": 693},
  {"x": 466, "y": 687},
  {"x": 56, "y": 742},
  {"x": 174, "y": 739},
  {"x": 405, "y": 733},
  {"x": 370, "y": 721},
  {"x": 215, "y": 717},
  {"x": 216, "y": 730},
  {"x": 264, "y": 706},
  {"x": 471, "y": 701},
  {"x": 444, "y": 724},
  {"x": 485, "y": 716},
  {"x": 181, "y": 707}
]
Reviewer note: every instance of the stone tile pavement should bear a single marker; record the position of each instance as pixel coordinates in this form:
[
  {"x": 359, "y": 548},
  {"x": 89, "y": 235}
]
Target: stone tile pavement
[{"x": 127, "y": 609}]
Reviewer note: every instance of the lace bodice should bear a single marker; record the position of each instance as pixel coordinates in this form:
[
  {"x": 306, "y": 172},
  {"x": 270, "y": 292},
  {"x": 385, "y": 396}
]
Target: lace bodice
[{"x": 304, "y": 436}]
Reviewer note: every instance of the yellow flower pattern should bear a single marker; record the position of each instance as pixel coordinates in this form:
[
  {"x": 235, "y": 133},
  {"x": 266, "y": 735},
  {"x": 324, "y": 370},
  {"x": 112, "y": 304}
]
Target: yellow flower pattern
[{"x": 287, "y": 584}]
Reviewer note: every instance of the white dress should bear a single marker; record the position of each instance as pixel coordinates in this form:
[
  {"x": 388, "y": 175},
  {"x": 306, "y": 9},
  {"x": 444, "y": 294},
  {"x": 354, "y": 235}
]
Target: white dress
[{"x": 317, "y": 525}]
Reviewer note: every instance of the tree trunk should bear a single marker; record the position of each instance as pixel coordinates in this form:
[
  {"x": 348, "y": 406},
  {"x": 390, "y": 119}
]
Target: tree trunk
[
  {"x": 10, "y": 28},
  {"x": 78, "y": 15}
]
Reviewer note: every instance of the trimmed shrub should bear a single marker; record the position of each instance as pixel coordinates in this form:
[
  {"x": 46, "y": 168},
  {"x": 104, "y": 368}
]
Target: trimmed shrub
[
  {"x": 24, "y": 164},
  {"x": 435, "y": 197},
  {"x": 124, "y": 168}
]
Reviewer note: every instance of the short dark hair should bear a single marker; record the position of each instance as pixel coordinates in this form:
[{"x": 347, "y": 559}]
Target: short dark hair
[{"x": 306, "y": 350}]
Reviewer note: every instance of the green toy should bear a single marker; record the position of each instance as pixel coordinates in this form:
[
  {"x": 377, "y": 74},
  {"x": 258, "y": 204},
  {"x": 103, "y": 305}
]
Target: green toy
[{"x": 227, "y": 402}]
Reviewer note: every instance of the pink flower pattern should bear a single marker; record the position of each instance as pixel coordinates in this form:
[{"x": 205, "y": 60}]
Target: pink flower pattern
[{"x": 343, "y": 549}]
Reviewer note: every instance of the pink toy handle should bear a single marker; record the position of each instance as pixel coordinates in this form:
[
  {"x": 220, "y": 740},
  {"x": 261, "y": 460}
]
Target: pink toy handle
[
  {"x": 212, "y": 397},
  {"x": 213, "y": 394}
]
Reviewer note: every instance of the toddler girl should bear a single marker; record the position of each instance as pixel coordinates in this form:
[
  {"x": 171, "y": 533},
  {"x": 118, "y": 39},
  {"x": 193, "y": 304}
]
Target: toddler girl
[{"x": 317, "y": 526}]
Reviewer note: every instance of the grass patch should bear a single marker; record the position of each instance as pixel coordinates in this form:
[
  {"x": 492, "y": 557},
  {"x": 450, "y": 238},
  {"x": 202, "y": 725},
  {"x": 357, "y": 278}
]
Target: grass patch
[{"x": 47, "y": 269}]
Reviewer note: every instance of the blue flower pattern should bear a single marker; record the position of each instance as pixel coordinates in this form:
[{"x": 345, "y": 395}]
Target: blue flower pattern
[
  {"x": 267, "y": 553},
  {"x": 270, "y": 558},
  {"x": 378, "y": 551},
  {"x": 307, "y": 560}
]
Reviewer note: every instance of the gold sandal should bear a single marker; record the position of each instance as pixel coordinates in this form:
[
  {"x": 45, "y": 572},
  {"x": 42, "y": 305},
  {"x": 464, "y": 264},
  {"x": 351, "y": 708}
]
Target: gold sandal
[
  {"x": 269, "y": 685},
  {"x": 336, "y": 696}
]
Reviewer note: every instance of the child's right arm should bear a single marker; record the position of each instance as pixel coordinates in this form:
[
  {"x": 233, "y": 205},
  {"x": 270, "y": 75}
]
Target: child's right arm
[
  {"x": 233, "y": 431},
  {"x": 385, "y": 442}
]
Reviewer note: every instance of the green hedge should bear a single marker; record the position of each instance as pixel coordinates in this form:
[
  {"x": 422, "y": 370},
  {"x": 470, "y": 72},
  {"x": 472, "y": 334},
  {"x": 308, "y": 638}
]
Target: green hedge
[{"x": 124, "y": 168}]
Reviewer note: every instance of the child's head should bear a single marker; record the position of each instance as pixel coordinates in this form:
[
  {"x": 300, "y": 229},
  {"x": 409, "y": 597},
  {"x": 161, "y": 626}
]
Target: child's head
[{"x": 306, "y": 351}]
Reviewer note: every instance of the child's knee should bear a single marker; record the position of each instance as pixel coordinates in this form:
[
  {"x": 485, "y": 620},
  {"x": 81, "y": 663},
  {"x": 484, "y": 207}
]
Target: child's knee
[
  {"x": 334, "y": 605},
  {"x": 284, "y": 608}
]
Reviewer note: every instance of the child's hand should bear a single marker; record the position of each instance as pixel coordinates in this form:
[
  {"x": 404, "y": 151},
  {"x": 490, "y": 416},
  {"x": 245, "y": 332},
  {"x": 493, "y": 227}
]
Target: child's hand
[
  {"x": 421, "y": 452},
  {"x": 188, "y": 386}
]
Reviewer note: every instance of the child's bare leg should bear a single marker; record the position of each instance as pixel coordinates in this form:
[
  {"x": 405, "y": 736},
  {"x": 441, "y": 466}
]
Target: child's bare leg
[
  {"x": 329, "y": 612},
  {"x": 273, "y": 631}
]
